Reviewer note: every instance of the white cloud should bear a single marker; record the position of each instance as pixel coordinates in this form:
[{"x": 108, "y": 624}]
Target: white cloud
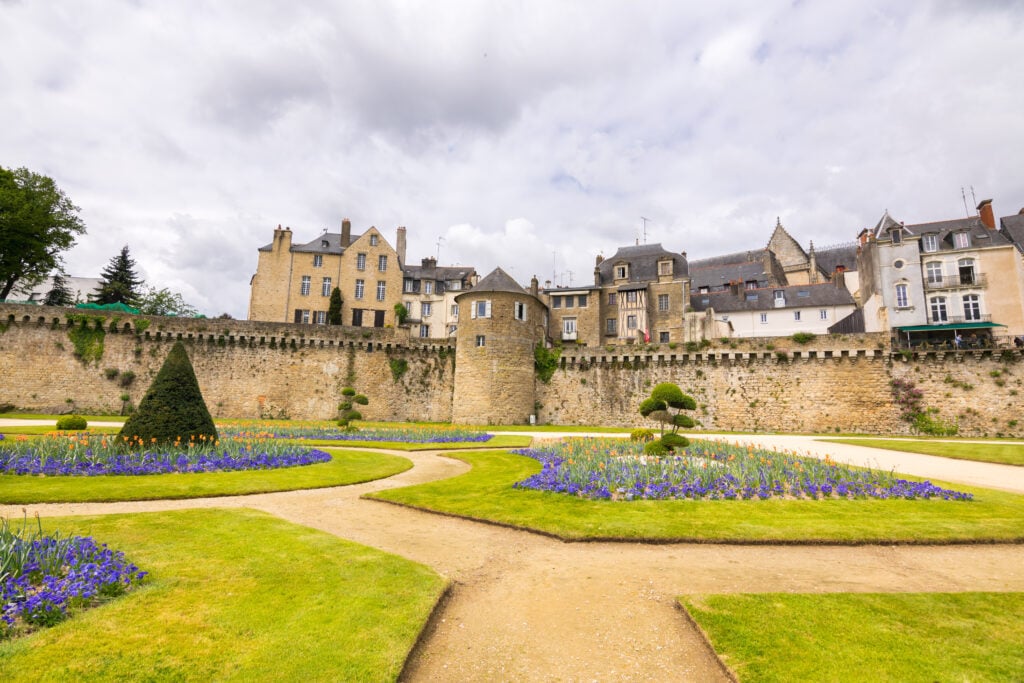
[{"x": 529, "y": 136}]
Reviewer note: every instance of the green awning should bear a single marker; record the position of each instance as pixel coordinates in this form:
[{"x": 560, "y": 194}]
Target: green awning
[{"x": 949, "y": 327}]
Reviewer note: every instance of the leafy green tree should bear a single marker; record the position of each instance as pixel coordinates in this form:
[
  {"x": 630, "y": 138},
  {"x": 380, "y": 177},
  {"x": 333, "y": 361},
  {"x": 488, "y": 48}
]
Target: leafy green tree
[
  {"x": 59, "y": 294},
  {"x": 401, "y": 313},
  {"x": 665, "y": 398},
  {"x": 119, "y": 284},
  {"x": 165, "y": 302},
  {"x": 173, "y": 407},
  {"x": 334, "y": 308},
  {"x": 37, "y": 223}
]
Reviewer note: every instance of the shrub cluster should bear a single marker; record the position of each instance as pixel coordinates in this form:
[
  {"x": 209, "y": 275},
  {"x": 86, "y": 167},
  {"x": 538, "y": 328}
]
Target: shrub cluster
[{"x": 70, "y": 423}]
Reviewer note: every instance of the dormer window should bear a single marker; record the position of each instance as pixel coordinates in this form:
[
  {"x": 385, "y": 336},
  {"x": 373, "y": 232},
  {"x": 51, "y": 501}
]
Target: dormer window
[
  {"x": 930, "y": 242},
  {"x": 324, "y": 243},
  {"x": 664, "y": 267},
  {"x": 621, "y": 272},
  {"x": 896, "y": 235},
  {"x": 961, "y": 240}
]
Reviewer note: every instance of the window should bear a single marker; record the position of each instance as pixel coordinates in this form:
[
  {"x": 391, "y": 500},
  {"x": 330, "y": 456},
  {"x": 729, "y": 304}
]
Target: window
[
  {"x": 780, "y": 297},
  {"x": 631, "y": 322},
  {"x": 972, "y": 307},
  {"x": 796, "y": 316},
  {"x": 581, "y": 301},
  {"x": 324, "y": 243},
  {"x": 381, "y": 290},
  {"x": 481, "y": 340},
  {"x": 455, "y": 311},
  {"x": 426, "y": 308},
  {"x": 318, "y": 260},
  {"x": 382, "y": 263},
  {"x": 569, "y": 327},
  {"x": 360, "y": 286},
  {"x": 306, "y": 282},
  {"x": 631, "y": 297},
  {"x": 452, "y": 329},
  {"x": 453, "y": 285},
  {"x": 930, "y": 242},
  {"x": 751, "y": 297},
  {"x": 751, "y": 284},
  {"x": 803, "y": 293},
  {"x": 320, "y": 317},
  {"x": 966, "y": 267},
  {"x": 823, "y": 314},
  {"x": 611, "y": 298},
  {"x": 663, "y": 337},
  {"x": 901, "y": 296},
  {"x": 424, "y": 331},
  {"x": 610, "y": 326},
  {"x": 896, "y": 236},
  {"x": 961, "y": 240},
  {"x": 664, "y": 267},
  {"x": 408, "y": 307},
  {"x": 408, "y": 285},
  {"x": 898, "y": 264},
  {"x": 325, "y": 288},
  {"x": 481, "y": 309},
  {"x": 663, "y": 303},
  {"x": 305, "y": 317},
  {"x": 933, "y": 272},
  {"x": 373, "y": 240},
  {"x": 570, "y": 301},
  {"x": 764, "y": 317},
  {"x": 938, "y": 306},
  {"x": 428, "y": 286},
  {"x": 556, "y": 302},
  {"x": 360, "y": 261},
  {"x": 621, "y": 272},
  {"x": 519, "y": 310},
  {"x": 703, "y": 290}
]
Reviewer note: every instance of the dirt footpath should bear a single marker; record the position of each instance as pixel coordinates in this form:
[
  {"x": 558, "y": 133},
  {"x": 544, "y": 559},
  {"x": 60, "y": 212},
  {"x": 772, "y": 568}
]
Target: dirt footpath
[{"x": 529, "y": 608}]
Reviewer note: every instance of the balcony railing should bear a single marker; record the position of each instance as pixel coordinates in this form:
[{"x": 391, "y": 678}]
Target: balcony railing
[
  {"x": 955, "y": 281},
  {"x": 568, "y": 336},
  {"x": 959, "y": 320}
]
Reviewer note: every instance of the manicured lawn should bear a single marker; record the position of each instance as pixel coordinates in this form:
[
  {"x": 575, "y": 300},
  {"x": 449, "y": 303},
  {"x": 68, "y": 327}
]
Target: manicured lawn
[
  {"x": 346, "y": 467},
  {"x": 498, "y": 441},
  {"x": 48, "y": 429},
  {"x": 52, "y": 418},
  {"x": 235, "y": 595},
  {"x": 1007, "y": 454},
  {"x": 486, "y": 493},
  {"x": 866, "y": 637}
]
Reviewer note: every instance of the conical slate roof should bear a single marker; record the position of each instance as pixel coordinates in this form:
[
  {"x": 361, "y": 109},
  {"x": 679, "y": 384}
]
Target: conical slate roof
[{"x": 498, "y": 281}]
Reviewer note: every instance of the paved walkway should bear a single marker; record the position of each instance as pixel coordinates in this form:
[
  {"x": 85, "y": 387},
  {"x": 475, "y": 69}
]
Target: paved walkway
[{"x": 526, "y": 607}]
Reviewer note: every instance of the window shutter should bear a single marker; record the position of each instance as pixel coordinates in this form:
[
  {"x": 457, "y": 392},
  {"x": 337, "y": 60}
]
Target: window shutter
[
  {"x": 472, "y": 310},
  {"x": 488, "y": 313}
]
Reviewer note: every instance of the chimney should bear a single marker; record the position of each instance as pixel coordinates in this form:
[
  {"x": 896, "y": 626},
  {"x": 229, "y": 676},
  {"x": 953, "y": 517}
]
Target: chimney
[
  {"x": 734, "y": 287},
  {"x": 988, "y": 219},
  {"x": 346, "y": 232},
  {"x": 400, "y": 244},
  {"x": 534, "y": 285},
  {"x": 600, "y": 258},
  {"x": 839, "y": 277},
  {"x": 429, "y": 262}
]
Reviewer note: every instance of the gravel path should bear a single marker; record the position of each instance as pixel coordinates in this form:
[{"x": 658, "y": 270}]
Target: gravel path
[{"x": 529, "y": 608}]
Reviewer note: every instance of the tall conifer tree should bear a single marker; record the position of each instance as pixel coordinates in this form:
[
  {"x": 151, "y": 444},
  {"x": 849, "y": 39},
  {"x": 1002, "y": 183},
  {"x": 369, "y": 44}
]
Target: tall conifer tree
[{"x": 119, "y": 283}]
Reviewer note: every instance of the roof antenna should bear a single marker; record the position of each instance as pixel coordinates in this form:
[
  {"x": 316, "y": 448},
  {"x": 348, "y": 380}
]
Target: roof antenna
[
  {"x": 973, "y": 198},
  {"x": 964, "y": 195},
  {"x": 645, "y": 220},
  {"x": 439, "y": 240}
]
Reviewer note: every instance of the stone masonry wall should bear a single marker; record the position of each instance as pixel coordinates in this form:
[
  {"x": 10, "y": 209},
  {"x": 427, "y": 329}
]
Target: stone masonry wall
[
  {"x": 251, "y": 369},
  {"x": 245, "y": 369}
]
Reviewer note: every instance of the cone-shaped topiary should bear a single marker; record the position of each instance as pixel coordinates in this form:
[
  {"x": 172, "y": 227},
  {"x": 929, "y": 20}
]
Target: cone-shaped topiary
[{"x": 173, "y": 406}]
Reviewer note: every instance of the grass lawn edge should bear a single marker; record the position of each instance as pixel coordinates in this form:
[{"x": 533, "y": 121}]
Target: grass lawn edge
[{"x": 705, "y": 638}]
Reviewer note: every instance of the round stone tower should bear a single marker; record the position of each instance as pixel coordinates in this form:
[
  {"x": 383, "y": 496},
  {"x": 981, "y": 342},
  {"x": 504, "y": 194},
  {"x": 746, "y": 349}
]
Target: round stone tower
[{"x": 500, "y": 323}]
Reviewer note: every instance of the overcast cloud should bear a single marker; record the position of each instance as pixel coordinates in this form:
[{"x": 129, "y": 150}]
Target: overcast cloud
[{"x": 526, "y": 135}]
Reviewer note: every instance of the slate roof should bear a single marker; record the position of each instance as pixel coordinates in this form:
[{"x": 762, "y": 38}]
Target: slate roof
[
  {"x": 839, "y": 255},
  {"x": 1013, "y": 229},
  {"x": 440, "y": 274},
  {"x": 497, "y": 281},
  {"x": 722, "y": 274},
  {"x": 826, "y": 294},
  {"x": 980, "y": 235},
  {"x": 643, "y": 263},
  {"x": 315, "y": 246},
  {"x": 883, "y": 225}
]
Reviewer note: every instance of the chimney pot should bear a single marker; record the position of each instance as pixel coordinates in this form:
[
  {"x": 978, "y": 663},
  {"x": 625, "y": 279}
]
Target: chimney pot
[
  {"x": 988, "y": 218},
  {"x": 346, "y": 232}
]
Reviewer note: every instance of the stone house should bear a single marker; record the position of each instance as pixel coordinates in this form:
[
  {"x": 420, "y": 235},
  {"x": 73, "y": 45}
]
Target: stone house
[
  {"x": 639, "y": 295},
  {"x": 930, "y": 281},
  {"x": 428, "y": 294},
  {"x": 777, "y": 311},
  {"x": 293, "y": 282}
]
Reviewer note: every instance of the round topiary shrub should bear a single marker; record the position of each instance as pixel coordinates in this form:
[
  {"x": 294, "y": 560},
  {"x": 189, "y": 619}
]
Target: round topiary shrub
[
  {"x": 641, "y": 435},
  {"x": 673, "y": 441},
  {"x": 71, "y": 423},
  {"x": 655, "y": 448},
  {"x": 173, "y": 407}
]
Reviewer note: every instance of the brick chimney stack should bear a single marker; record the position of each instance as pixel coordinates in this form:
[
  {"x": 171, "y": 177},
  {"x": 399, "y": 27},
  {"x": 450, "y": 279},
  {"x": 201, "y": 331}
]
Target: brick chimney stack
[
  {"x": 988, "y": 219},
  {"x": 346, "y": 232},
  {"x": 400, "y": 244}
]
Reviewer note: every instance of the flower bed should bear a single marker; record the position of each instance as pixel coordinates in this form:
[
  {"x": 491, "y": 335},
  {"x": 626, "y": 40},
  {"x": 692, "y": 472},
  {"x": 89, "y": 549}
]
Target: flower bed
[
  {"x": 94, "y": 455},
  {"x": 618, "y": 470},
  {"x": 43, "y": 577},
  {"x": 411, "y": 434}
]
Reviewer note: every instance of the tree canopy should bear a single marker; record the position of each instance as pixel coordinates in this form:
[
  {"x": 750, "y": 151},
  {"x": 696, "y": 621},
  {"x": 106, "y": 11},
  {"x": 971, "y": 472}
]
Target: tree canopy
[
  {"x": 37, "y": 223},
  {"x": 165, "y": 302},
  {"x": 664, "y": 398},
  {"x": 119, "y": 284},
  {"x": 60, "y": 294}
]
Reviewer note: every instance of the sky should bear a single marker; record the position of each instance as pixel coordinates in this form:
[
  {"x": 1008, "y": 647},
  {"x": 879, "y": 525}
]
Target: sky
[{"x": 531, "y": 136}]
